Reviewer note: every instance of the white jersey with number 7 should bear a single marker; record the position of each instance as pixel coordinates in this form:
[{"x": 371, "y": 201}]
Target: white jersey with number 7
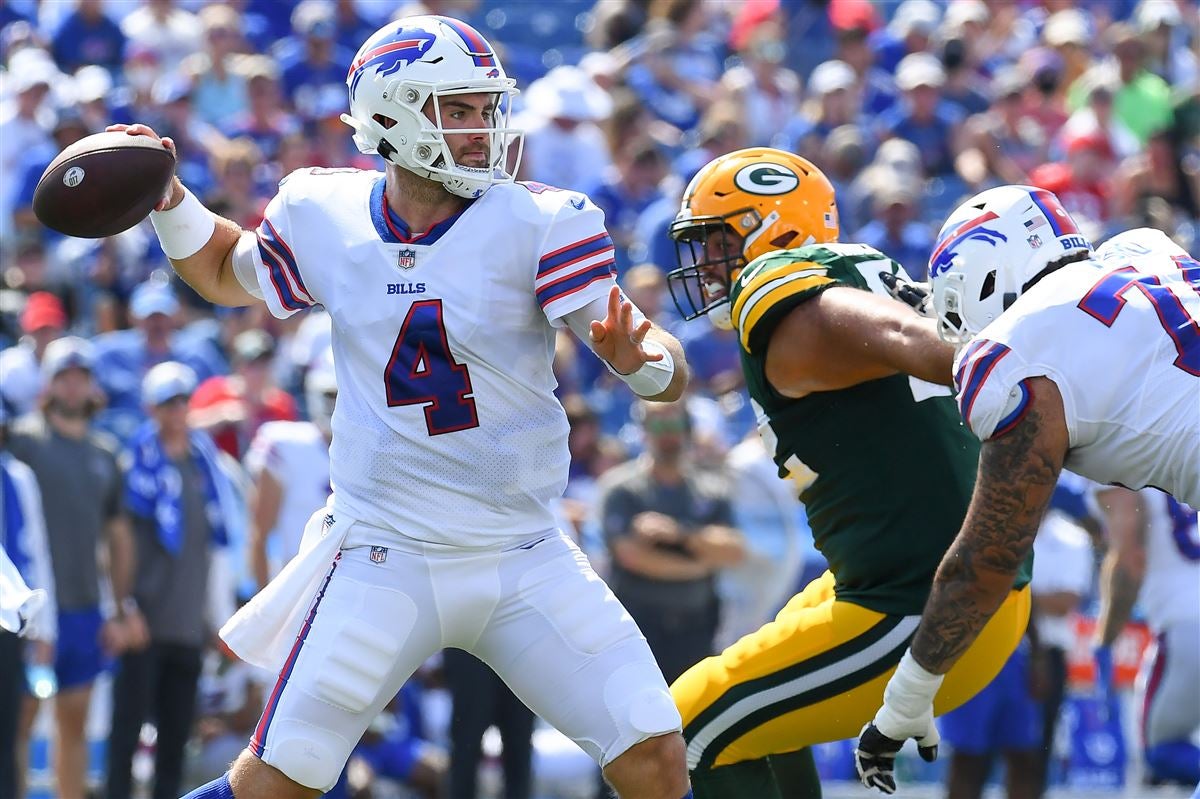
[{"x": 1119, "y": 335}]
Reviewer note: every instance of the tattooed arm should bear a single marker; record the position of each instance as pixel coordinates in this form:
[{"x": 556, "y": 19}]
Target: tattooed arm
[
  {"x": 1017, "y": 474},
  {"x": 1124, "y": 565}
]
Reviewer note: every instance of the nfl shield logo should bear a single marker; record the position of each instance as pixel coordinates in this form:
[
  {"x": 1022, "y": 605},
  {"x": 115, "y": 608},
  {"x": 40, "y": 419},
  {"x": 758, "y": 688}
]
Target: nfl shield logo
[
  {"x": 407, "y": 259},
  {"x": 1035, "y": 241},
  {"x": 378, "y": 554}
]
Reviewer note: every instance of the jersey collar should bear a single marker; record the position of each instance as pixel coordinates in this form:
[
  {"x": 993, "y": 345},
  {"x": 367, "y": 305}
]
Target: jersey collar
[{"x": 394, "y": 230}]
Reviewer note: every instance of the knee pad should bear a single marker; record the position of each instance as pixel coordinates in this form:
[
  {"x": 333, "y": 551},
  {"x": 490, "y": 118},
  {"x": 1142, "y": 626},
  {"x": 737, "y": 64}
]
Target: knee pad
[
  {"x": 638, "y": 700},
  {"x": 355, "y": 668},
  {"x": 310, "y": 756}
]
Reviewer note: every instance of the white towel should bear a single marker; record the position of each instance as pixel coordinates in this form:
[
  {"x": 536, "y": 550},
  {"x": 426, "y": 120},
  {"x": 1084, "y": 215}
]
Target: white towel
[
  {"x": 263, "y": 631},
  {"x": 19, "y": 604}
]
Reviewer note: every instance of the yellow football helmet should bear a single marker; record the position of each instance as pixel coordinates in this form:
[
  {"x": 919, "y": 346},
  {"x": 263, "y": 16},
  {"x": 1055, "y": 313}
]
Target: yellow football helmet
[{"x": 758, "y": 200}]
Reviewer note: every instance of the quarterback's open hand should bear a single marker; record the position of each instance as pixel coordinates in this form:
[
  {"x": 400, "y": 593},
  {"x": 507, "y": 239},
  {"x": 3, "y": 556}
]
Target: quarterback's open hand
[
  {"x": 914, "y": 295},
  {"x": 875, "y": 755},
  {"x": 617, "y": 341}
]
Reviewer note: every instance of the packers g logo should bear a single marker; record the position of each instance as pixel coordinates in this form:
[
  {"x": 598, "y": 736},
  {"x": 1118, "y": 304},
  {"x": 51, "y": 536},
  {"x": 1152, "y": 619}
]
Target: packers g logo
[{"x": 766, "y": 179}]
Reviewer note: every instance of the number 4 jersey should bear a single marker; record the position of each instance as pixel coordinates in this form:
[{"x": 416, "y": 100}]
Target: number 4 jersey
[
  {"x": 446, "y": 428},
  {"x": 1120, "y": 337}
]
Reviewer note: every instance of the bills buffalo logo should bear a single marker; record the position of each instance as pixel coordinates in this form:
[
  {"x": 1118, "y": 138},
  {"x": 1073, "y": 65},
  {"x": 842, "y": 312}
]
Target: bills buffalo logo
[
  {"x": 973, "y": 229},
  {"x": 493, "y": 73},
  {"x": 389, "y": 54}
]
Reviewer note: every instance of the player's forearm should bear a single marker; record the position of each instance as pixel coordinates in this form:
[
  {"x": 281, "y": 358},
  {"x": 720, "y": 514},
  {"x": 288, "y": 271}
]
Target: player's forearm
[
  {"x": 210, "y": 271},
  {"x": 920, "y": 352},
  {"x": 1119, "y": 587},
  {"x": 1017, "y": 475}
]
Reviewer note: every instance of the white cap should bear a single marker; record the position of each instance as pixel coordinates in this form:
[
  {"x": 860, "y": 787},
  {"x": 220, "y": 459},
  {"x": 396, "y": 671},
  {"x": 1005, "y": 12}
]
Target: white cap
[
  {"x": 831, "y": 76},
  {"x": 915, "y": 15},
  {"x": 919, "y": 69},
  {"x": 68, "y": 352},
  {"x": 1068, "y": 26},
  {"x": 1152, "y": 13},
  {"x": 166, "y": 381},
  {"x": 31, "y": 67},
  {"x": 961, "y": 11},
  {"x": 150, "y": 298},
  {"x": 570, "y": 93},
  {"x": 92, "y": 82}
]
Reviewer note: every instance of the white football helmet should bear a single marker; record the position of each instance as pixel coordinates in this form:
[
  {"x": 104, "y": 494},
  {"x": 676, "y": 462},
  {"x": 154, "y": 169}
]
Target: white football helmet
[
  {"x": 415, "y": 60},
  {"x": 990, "y": 249}
]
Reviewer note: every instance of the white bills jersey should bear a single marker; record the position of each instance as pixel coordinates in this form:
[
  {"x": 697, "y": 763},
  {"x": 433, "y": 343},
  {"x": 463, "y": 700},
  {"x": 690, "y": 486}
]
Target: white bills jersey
[
  {"x": 1120, "y": 337},
  {"x": 296, "y": 454},
  {"x": 1171, "y": 589},
  {"x": 446, "y": 428}
]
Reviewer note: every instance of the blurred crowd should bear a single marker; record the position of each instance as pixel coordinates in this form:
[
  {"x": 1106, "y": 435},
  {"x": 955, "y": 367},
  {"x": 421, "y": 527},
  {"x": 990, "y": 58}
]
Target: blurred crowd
[{"x": 907, "y": 106}]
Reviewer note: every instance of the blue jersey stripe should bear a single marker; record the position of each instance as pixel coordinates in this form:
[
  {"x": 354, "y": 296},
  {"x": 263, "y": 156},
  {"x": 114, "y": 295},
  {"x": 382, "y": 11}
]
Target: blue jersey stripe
[
  {"x": 985, "y": 362},
  {"x": 1018, "y": 413},
  {"x": 289, "y": 260},
  {"x": 572, "y": 253},
  {"x": 572, "y": 283},
  {"x": 287, "y": 298}
]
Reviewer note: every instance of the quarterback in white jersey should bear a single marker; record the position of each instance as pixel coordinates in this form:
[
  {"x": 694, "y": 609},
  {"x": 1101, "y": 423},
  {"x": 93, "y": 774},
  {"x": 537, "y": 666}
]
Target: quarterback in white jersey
[
  {"x": 445, "y": 281},
  {"x": 1154, "y": 560},
  {"x": 1069, "y": 359}
]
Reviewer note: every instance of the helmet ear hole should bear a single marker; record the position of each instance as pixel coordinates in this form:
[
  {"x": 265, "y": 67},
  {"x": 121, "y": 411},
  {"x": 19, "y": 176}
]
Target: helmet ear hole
[
  {"x": 989, "y": 286},
  {"x": 386, "y": 122}
]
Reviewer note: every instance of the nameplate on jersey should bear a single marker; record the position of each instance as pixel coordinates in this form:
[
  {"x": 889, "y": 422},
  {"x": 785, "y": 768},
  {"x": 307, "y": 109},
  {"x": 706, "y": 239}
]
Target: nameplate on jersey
[{"x": 405, "y": 288}]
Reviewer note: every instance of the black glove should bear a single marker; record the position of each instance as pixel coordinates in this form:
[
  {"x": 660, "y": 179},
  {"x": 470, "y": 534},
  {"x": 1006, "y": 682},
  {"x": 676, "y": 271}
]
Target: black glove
[
  {"x": 875, "y": 758},
  {"x": 914, "y": 295}
]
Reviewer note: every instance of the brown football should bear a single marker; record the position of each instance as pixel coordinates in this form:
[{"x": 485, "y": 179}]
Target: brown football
[{"x": 103, "y": 184}]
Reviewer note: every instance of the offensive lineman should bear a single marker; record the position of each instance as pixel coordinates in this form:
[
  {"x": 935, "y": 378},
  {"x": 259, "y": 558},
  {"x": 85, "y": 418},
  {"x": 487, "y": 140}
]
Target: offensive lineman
[
  {"x": 838, "y": 373},
  {"x": 1071, "y": 360},
  {"x": 445, "y": 282}
]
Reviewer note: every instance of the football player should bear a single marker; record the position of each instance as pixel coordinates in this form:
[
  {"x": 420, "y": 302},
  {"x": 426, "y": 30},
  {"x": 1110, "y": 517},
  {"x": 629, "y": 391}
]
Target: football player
[
  {"x": 1069, "y": 360},
  {"x": 844, "y": 382},
  {"x": 1154, "y": 553},
  {"x": 445, "y": 281}
]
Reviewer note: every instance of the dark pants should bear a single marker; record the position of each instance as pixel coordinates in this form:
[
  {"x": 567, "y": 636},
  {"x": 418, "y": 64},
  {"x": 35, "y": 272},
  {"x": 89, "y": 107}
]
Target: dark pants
[
  {"x": 678, "y": 639},
  {"x": 12, "y": 689},
  {"x": 481, "y": 699},
  {"x": 159, "y": 685},
  {"x": 1057, "y": 678}
]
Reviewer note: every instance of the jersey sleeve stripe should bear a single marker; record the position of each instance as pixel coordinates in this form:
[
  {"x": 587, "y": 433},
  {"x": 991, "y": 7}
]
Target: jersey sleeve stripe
[
  {"x": 289, "y": 259},
  {"x": 1018, "y": 413},
  {"x": 748, "y": 293},
  {"x": 966, "y": 361},
  {"x": 573, "y": 251},
  {"x": 570, "y": 284},
  {"x": 574, "y": 263},
  {"x": 985, "y": 362},
  {"x": 274, "y": 267},
  {"x": 751, "y": 316}
]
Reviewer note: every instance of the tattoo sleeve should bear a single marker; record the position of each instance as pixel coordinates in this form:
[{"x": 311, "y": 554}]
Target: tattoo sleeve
[{"x": 1017, "y": 474}]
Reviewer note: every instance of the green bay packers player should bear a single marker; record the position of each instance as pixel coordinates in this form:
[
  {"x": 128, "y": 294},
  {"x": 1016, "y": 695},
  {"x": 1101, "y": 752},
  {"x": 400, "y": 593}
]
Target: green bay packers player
[{"x": 850, "y": 390}]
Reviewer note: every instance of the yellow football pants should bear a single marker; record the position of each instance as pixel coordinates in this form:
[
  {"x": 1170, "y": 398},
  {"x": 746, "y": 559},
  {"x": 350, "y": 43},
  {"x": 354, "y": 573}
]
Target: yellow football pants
[{"x": 817, "y": 674}]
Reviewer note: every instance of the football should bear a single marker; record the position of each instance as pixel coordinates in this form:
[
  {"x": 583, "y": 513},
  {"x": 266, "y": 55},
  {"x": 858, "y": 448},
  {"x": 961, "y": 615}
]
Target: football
[{"x": 103, "y": 184}]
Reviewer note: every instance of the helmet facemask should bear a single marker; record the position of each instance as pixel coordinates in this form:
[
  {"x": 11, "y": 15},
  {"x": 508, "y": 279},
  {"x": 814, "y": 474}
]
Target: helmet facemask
[{"x": 700, "y": 285}]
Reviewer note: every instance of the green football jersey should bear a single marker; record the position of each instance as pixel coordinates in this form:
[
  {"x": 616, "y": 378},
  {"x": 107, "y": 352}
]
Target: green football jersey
[{"x": 885, "y": 468}]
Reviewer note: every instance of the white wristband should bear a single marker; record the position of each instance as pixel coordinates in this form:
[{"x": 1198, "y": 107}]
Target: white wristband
[
  {"x": 654, "y": 376},
  {"x": 907, "y": 698},
  {"x": 185, "y": 229}
]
